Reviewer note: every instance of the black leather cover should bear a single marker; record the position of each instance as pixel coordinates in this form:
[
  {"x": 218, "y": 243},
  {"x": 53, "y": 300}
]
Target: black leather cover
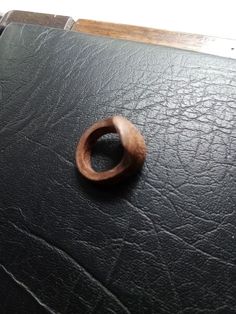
[{"x": 162, "y": 242}]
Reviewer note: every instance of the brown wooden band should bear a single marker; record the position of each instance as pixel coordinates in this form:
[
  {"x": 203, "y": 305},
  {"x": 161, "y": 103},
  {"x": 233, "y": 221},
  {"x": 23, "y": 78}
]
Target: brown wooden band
[{"x": 131, "y": 140}]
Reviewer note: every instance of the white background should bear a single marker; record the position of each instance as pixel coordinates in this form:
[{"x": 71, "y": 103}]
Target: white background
[{"x": 210, "y": 17}]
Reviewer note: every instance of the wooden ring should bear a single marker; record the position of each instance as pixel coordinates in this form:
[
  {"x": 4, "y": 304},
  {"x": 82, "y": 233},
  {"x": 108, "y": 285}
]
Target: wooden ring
[{"x": 133, "y": 144}]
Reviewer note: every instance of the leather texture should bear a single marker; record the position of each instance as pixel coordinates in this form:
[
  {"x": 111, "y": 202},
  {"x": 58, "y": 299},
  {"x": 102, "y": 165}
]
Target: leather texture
[
  {"x": 27, "y": 17},
  {"x": 164, "y": 241}
]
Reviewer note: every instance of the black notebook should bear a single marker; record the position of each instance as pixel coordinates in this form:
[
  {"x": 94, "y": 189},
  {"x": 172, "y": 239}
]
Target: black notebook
[{"x": 163, "y": 241}]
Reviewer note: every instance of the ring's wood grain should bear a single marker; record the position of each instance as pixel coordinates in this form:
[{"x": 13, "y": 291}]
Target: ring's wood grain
[
  {"x": 208, "y": 44},
  {"x": 131, "y": 140}
]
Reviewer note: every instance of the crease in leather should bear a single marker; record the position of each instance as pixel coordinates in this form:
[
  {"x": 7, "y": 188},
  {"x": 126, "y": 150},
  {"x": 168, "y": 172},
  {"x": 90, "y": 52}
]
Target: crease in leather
[{"x": 162, "y": 242}]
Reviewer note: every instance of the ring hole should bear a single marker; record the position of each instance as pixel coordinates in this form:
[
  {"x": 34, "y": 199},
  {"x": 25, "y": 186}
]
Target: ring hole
[{"x": 106, "y": 153}]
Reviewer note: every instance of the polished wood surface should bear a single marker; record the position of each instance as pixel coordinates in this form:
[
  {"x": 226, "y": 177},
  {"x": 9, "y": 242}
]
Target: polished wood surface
[
  {"x": 50, "y": 20},
  {"x": 133, "y": 144},
  {"x": 201, "y": 43},
  {"x": 194, "y": 42}
]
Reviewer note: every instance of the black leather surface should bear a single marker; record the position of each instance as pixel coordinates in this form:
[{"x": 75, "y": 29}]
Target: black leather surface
[{"x": 162, "y": 242}]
